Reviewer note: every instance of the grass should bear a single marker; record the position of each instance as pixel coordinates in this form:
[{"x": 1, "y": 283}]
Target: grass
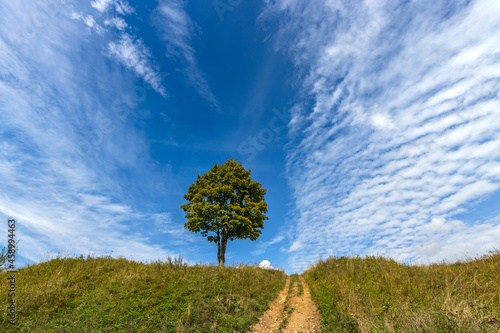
[
  {"x": 375, "y": 294},
  {"x": 353, "y": 294},
  {"x": 102, "y": 294},
  {"x": 300, "y": 287}
]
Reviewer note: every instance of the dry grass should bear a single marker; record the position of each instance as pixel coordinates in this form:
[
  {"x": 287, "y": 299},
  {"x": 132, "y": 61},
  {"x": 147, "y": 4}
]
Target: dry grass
[{"x": 375, "y": 294}]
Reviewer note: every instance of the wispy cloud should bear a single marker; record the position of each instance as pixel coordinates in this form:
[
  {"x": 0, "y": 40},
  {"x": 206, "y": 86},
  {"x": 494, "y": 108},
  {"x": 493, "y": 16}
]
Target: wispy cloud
[
  {"x": 88, "y": 20},
  {"x": 121, "y": 7},
  {"x": 262, "y": 246},
  {"x": 129, "y": 49},
  {"x": 118, "y": 22},
  {"x": 164, "y": 224},
  {"x": 62, "y": 145},
  {"x": 176, "y": 28},
  {"x": 404, "y": 131},
  {"x": 135, "y": 56}
]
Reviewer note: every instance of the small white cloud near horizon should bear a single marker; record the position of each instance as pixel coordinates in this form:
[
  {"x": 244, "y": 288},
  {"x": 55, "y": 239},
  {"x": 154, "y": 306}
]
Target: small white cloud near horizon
[{"x": 266, "y": 264}]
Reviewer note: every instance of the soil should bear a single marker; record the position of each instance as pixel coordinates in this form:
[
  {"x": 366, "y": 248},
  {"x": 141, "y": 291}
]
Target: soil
[{"x": 291, "y": 312}]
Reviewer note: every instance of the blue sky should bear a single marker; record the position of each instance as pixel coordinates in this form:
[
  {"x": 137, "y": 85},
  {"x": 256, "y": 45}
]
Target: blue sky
[{"x": 373, "y": 125}]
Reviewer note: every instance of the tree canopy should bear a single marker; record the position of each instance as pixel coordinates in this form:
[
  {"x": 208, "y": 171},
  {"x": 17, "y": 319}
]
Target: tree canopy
[{"x": 225, "y": 204}]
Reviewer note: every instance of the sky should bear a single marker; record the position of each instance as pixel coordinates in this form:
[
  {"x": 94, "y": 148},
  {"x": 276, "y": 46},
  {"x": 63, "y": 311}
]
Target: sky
[{"x": 373, "y": 125}]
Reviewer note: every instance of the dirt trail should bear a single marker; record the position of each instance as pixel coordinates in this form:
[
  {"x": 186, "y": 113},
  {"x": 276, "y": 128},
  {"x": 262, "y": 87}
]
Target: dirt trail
[{"x": 291, "y": 311}]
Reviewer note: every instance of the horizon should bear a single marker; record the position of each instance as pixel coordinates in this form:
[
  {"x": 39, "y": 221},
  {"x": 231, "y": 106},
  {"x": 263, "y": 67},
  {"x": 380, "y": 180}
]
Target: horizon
[{"x": 372, "y": 126}]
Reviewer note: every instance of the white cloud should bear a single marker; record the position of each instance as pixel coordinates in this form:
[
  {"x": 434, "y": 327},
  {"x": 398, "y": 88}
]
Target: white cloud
[
  {"x": 101, "y": 5},
  {"x": 135, "y": 56},
  {"x": 117, "y": 22},
  {"x": 266, "y": 264},
  {"x": 128, "y": 50},
  {"x": 297, "y": 245},
  {"x": 179, "y": 235},
  {"x": 404, "y": 130},
  {"x": 88, "y": 20},
  {"x": 61, "y": 142},
  {"x": 262, "y": 246},
  {"x": 439, "y": 225},
  {"x": 175, "y": 28},
  {"x": 121, "y": 7},
  {"x": 382, "y": 121}
]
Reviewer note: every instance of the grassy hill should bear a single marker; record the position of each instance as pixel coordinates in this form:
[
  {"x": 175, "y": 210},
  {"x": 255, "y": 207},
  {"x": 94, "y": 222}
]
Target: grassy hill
[
  {"x": 117, "y": 295},
  {"x": 374, "y": 294},
  {"x": 353, "y": 294}
]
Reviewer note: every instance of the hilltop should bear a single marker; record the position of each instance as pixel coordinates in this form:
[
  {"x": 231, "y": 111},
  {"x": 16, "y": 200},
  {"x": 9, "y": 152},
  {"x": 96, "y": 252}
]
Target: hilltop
[
  {"x": 352, "y": 294},
  {"x": 105, "y": 294}
]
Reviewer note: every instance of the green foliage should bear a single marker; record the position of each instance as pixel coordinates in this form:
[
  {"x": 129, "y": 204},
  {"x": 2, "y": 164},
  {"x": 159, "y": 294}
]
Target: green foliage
[
  {"x": 375, "y": 294},
  {"x": 116, "y": 295},
  {"x": 225, "y": 204}
]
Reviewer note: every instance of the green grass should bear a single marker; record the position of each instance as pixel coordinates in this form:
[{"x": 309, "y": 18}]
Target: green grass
[
  {"x": 102, "y": 294},
  {"x": 353, "y": 294},
  {"x": 375, "y": 294}
]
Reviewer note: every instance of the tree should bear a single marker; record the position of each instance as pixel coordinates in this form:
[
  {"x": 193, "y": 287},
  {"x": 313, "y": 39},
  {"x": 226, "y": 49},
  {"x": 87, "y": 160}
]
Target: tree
[{"x": 225, "y": 204}]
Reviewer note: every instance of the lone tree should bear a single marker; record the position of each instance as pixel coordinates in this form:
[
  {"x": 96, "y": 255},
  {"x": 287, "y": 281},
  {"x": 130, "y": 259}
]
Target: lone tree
[{"x": 225, "y": 204}]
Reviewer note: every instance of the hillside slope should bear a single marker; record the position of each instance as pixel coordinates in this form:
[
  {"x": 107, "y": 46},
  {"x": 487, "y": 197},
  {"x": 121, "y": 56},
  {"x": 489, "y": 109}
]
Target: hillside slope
[
  {"x": 374, "y": 294},
  {"x": 105, "y": 294}
]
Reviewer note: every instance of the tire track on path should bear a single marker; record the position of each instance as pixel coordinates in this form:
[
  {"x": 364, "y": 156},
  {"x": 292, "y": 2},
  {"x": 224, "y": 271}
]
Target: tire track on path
[{"x": 304, "y": 315}]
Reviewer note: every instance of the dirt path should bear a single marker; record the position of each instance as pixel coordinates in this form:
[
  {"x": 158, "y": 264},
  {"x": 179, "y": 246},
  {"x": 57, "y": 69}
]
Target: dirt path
[{"x": 292, "y": 311}]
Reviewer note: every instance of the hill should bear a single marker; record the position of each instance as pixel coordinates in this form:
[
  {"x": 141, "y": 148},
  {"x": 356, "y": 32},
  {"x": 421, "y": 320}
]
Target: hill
[
  {"x": 353, "y": 294},
  {"x": 375, "y": 294},
  {"x": 106, "y": 294}
]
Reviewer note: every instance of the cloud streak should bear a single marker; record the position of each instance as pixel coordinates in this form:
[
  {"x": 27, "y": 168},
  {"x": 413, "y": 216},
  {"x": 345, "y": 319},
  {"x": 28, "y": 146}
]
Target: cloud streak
[
  {"x": 176, "y": 28},
  {"x": 403, "y": 134},
  {"x": 136, "y": 57},
  {"x": 129, "y": 50},
  {"x": 262, "y": 246},
  {"x": 63, "y": 145},
  {"x": 121, "y": 7}
]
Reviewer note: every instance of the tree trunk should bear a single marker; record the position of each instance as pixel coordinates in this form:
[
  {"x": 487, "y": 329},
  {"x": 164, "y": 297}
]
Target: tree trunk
[
  {"x": 223, "y": 252},
  {"x": 218, "y": 248},
  {"x": 221, "y": 244}
]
